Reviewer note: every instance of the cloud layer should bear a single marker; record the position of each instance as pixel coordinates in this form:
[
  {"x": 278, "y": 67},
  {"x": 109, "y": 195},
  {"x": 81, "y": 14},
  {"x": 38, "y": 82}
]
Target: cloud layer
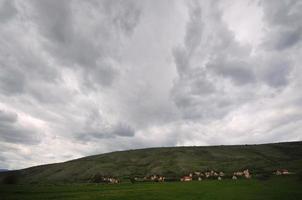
[{"x": 79, "y": 78}]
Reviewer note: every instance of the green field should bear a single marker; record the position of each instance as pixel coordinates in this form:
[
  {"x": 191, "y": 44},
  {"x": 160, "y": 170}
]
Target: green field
[{"x": 282, "y": 187}]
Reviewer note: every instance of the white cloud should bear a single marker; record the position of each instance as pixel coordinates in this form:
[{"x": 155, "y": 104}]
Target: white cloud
[{"x": 91, "y": 77}]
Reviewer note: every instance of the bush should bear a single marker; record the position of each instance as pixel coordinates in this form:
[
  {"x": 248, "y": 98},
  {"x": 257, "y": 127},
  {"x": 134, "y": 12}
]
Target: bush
[
  {"x": 263, "y": 177},
  {"x": 132, "y": 180},
  {"x": 97, "y": 178},
  {"x": 299, "y": 174},
  {"x": 171, "y": 179},
  {"x": 10, "y": 178}
]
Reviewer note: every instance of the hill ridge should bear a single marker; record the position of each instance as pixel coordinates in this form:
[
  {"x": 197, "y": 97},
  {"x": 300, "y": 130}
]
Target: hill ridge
[{"x": 171, "y": 161}]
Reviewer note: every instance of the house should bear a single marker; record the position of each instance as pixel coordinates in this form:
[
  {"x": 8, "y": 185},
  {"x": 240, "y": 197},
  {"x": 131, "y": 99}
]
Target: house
[
  {"x": 153, "y": 177},
  {"x": 238, "y": 173},
  {"x": 282, "y": 172},
  {"x": 212, "y": 173},
  {"x": 197, "y": 173},
  {"x": 278, "y": 172},
  {"x": 110, "y": 180},
  {"x": 161, "y": 179},
  {"x": 156, "y": 178},
  {"x": 247, "y": 174},
  {"x": 285, "y": 171},
  {"x": 113, "y": 180},
  {"x": 186, "y": 178}
]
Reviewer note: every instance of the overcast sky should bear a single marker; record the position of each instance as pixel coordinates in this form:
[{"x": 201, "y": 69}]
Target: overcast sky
[{"x": 85, "y": 77}]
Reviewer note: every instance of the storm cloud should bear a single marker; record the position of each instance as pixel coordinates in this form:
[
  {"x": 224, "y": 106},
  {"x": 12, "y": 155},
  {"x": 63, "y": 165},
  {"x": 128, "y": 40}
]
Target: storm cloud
[
  {"x": 87, "y": 77},
  {"x": 13, "y": 132}
]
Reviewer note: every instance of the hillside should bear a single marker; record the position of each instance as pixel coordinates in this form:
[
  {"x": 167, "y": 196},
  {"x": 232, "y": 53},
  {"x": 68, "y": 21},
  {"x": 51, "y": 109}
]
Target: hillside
[{"x": 169, "y": 161}]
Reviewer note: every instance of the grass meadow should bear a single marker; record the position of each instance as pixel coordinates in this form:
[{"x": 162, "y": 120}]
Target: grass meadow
[{"x": 285, "y": 187}]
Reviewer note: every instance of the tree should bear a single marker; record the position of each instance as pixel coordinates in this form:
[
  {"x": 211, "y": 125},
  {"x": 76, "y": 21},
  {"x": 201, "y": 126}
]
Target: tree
[{"x": 10, "y": 178}]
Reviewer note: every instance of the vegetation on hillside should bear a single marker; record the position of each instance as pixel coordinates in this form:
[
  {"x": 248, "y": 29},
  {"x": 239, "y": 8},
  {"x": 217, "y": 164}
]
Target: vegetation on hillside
[{"x": 170, "y": 161}]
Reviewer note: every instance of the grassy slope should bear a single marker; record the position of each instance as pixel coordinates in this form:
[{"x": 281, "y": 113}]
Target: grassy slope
[
  {"x": 288, "y": 187},
  {"x": 174, "y": 161}
]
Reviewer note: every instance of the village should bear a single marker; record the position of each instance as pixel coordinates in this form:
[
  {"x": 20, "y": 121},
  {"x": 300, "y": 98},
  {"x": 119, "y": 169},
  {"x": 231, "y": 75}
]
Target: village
[{"x": 192, "y": 176}]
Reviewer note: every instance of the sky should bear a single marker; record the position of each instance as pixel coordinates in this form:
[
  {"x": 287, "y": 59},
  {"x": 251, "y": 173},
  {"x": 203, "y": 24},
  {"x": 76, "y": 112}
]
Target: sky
[{"x": 79, "y": 78}]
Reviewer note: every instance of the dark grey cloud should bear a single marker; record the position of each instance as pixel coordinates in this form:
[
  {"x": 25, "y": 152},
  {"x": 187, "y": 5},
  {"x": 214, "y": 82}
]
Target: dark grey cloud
[
  {"x": 181, "y": 60},
  {"x": 88, "y": 49},
  {"x": 287, "y": 39},
  {"x": 54, "y": 19},
  {"x": 23, "y": 70},
  {"x": 22, "y": 63},
  {"x": 285, "y": 24},
  {"x": 2, "y": 159},
  {"x": 12, "y": 79},
  {"x": 125, "y": 15},
  {"x": 237, "y": 70},
  {"x": 277, "y": 73},
  {"x": 7, "y": 10},
  {"x": 6, "y": 117},
  {"x": 56, "y": 22},
  {"x": 97, "y": 127},
  {"x": 196, "y": 92},
  {"x": 104, "y": 73},
  {"x": 3, "y": 163},
  {"x": 105, "y": 133},
  {"x": 198, "y": 98},
  {"x": 205, "y": 66},
  {"x": 123, "y": 130},
  {"x": 88, "y": 136},
  {"x": 200, "y": 85},
  {"x": 194, "y": 31},
  {"x": 23, "y": 73},
  {"x": 12, "y": 132}
]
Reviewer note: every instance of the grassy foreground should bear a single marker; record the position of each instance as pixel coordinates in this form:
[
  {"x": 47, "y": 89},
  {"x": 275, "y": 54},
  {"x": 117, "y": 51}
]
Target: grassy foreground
[{"x": 274, "y": 188}]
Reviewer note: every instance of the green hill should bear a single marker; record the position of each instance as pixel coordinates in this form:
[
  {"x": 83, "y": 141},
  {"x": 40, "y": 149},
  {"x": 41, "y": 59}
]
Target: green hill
[{"x": 168, "y": 161}]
